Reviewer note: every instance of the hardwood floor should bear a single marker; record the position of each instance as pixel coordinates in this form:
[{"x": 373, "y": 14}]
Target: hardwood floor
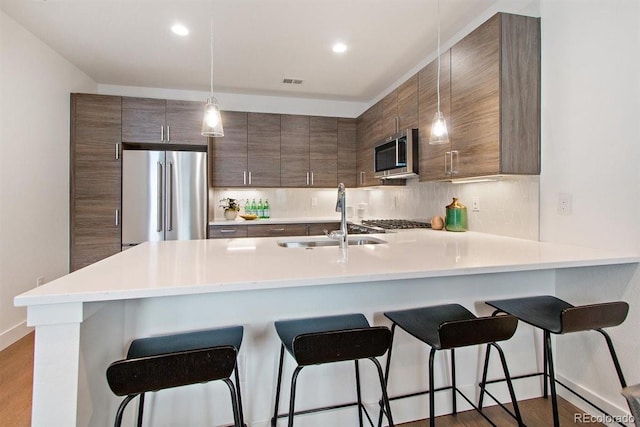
[{"x": 16, "y": 378}]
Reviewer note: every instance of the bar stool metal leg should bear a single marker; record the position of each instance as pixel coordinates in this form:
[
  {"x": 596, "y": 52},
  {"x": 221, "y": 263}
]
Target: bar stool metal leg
[
  {"x": 432, "y": 400},
  {"x": 240, "y": 412},
  {"x": 140, "y": 409},
  {"x": 123, "y": 405},
  {"x": 386, "y": 372},
  {"x": 234, "y": 401},
  {"x": 552, "y": 379},
  {"x": 453, "y": 382},
  {"x": 385, "y": 395},
  {"x": 507, "y": 375},
  {"x": 274, "y": 420},
  {"x": 545, "y": 363},
  {"x": 360, "y": 419},
  {"x": 292, "y": 400},
  {"x": 614, "y": 357}
]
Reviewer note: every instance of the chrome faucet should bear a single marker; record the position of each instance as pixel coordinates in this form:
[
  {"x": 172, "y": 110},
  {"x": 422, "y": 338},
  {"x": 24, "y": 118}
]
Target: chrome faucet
[{"x": 341, "y": 206}]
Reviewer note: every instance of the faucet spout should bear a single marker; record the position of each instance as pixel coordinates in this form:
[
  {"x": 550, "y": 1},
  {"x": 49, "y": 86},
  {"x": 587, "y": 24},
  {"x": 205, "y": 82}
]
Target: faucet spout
[{"x": 341, "y": 206}]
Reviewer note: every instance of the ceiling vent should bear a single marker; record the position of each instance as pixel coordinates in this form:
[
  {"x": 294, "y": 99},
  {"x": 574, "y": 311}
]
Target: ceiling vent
[{"x": 292, "y": 81}]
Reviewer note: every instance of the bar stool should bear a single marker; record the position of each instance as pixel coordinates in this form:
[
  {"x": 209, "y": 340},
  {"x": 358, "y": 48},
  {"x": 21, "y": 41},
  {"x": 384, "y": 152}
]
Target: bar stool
[
  {"x": 175, "y": 360},
  {"x": 320, "y": 340},
  {"x": 555, "y": 316},
  {"x": 447, "y": 327}
]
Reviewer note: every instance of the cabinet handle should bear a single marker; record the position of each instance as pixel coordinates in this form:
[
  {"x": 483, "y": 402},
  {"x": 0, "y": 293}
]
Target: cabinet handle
[
  {"x": 361, "y": 177},
  {"x": 249, "y": 177},
  {"x": 170, "y": 198},
  {"x": 159, "y": 227},
  {"x": 446, "y": 163},
  {"x": 307, "y": 178},
  {"x": 312, "y": 179},
  {"x": 454, "y": 171},
  {"x": 244, "y": 177},
  {"x": 276, "y": 230},
  {"x": 168, "y": 133},
  {"x": 397, "y": 124},
  {"x": 117, "y": 217},
  {"x": 161, "y": 133},
  {"x": 117, "y": 151},
  {"x": 228, "y": 230}
]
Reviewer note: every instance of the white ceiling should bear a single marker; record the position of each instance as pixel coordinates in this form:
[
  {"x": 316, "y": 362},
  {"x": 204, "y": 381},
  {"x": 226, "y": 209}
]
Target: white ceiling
[{"x": 256, "y": 42}]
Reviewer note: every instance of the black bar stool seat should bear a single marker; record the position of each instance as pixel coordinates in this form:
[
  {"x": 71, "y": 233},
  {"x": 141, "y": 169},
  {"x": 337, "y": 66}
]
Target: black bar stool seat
[
  {"x": 330, "y": 339},
  {"x": 555, "y": 316},
  {"x": 447, "y": 327},
  {"x": 162, "y": 362}
]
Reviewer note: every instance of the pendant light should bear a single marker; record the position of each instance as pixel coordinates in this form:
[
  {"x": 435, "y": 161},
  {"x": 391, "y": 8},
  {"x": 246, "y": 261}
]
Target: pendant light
[
  {"x": 212, "y": 122},
  {"x": 439, "y": 133}
]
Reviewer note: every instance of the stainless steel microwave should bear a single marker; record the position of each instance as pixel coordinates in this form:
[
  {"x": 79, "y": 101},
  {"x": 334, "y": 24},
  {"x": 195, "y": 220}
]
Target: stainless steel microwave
[{"x": 397, "y": 156}]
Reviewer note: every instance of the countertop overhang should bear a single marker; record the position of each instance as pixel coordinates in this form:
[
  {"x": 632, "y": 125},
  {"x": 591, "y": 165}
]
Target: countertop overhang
[{"x": 173, "y": 268}]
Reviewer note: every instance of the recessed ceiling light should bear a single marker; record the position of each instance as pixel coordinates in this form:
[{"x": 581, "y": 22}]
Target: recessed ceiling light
[
  {"x": 180, "y": 30},
  {"x": 339, "y": 48}
]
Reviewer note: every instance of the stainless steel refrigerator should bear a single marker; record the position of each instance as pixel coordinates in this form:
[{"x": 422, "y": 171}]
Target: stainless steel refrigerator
[{"x": 164, "y": 196}]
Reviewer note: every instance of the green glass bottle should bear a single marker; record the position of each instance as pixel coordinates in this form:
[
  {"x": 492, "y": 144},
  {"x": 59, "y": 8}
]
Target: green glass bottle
[
  {"x": 254, "y": 208},
  {"x": 247, "y": 207},
  {"x": 266, "y": 209},
  {"x": 260, "y": 209}
]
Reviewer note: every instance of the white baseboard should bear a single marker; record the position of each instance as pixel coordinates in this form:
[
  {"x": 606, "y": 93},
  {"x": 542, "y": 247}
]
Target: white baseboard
[
  {"x": 13, "y": 334},
  {"x": 616, "y": 411}
]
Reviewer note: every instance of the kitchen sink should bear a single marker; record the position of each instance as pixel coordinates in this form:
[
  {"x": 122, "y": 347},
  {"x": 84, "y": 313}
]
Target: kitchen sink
[{"x": 313, "y": 242}]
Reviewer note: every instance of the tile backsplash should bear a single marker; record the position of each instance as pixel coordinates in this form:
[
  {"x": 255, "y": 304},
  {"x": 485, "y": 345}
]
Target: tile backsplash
[{"x": 507, "y": 207}]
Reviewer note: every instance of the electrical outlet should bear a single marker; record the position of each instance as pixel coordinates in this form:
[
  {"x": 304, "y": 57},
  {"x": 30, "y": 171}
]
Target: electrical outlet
[
  {"x": 564, "y": 204},
  {"x": 475, "y": 204},
  {"x": 40, "y": 281},
  {"x": 314, "y": 202}
]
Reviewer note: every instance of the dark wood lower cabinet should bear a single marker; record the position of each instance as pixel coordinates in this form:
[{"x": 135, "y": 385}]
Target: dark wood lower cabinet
[
  {"x": 271, "y": 230},
  {"x": 95, "y": 178}
]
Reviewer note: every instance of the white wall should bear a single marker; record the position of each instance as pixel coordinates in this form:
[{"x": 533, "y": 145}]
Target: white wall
[
  {"x": 591, "y": 150},
  {"x": 35, "y": 83}
]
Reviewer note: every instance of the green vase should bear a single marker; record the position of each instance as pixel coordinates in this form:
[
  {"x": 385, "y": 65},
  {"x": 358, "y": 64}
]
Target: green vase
[{"x": 456, "y": 218}]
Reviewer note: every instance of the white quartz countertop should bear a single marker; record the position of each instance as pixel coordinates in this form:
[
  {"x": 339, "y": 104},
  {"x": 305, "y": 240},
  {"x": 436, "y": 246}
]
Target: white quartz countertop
[{"x": 222, "y": 265}]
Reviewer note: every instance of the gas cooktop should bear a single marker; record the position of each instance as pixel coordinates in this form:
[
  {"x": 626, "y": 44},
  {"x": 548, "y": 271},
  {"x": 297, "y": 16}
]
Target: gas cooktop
[{"x": 395, "y": 224}]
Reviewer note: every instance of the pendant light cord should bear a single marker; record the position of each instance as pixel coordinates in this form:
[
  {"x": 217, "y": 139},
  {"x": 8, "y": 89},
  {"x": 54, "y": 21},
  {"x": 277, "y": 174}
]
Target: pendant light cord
[
  {"x": 212, "y": 58},
  {"x": 438, "y": 78}
]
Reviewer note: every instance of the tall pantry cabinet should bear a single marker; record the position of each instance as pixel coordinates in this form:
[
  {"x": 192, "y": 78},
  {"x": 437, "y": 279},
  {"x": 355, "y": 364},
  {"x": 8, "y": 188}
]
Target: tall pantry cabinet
[{"x": 96, "y": 173}]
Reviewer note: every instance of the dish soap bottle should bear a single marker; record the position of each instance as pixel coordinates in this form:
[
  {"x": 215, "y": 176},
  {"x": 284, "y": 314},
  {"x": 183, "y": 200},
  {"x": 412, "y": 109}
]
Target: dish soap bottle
[{"x": 456, "y": 218}]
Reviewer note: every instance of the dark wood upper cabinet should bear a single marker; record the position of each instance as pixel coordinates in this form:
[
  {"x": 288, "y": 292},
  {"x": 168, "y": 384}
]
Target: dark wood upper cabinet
[
  {"x": 389, "y": 107},
  {"x": 95, "y": 169},
  {"x": 264, "y": 149},
  {"x": 407, "y": 108},
  {"x": 369, "y": 133},
  {"x": 323, "y": 151},
  {"x": 347, "y": 159},
  {"x": 228, "y": 155},
  {"x": 148, "y": 120},
  {"x": 495, "y": 98},
  {"x": 294, "y": 151},
  {"x": 184, "y": 122}
]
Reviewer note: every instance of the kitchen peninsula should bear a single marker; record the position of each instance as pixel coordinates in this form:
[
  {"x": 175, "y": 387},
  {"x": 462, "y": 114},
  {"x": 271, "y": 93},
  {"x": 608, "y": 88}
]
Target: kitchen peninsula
[{"x": 85, "y": 320}]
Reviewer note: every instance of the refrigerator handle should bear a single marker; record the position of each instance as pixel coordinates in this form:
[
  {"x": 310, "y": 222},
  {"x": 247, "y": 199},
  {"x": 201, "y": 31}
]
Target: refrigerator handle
[
  {"x": 170, "y": 197},
  {"x": 159, "y": 227}
]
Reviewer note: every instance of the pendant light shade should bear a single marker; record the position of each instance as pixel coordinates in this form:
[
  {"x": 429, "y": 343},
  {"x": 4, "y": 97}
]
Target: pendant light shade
[
  {"x": 439, "y": 132},
  {"x": 212, "y": 121}
]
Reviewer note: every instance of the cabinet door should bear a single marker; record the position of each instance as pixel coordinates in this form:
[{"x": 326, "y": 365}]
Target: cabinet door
[
  {"x": 475, "y": 101},
  {"x": 228, "y": 154},
  {"x": 276, "y": 230},
  {"x": 318, "y": 229},
  {"x": 347, "y": 162},
  {"x": 294, "y": 156},
  {"x": 389, "y": 124},
  {"x": 264, "y": 149},
  {"x": 369, "y": 134},
  {"x": 323, "y": 151},
  {"x": 408, "y": 104},
  {"x": 95, "y": 178},
  {"x": 143, "y": 120},
  {"x": 435, "y": 160},
  {"x": 184, "y": 122}
]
